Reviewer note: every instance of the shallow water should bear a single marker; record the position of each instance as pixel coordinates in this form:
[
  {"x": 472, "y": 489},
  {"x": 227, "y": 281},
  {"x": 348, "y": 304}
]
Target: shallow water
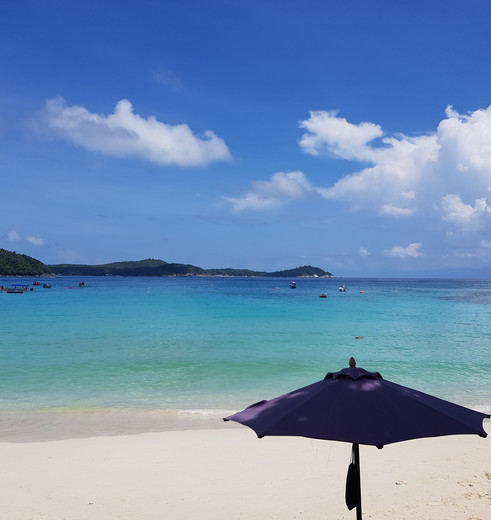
[{"x": 198, "y": 347}]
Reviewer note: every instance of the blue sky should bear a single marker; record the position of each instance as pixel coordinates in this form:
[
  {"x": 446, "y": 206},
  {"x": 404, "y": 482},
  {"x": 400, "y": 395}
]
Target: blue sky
[{"x": 354, "y": 136}]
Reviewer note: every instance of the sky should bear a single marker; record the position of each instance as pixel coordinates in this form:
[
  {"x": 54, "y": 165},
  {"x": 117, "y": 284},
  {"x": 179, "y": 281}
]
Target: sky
[{"x": 353, "y": 136}]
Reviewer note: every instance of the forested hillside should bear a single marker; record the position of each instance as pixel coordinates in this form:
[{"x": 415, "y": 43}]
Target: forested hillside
[{"x": 14, "y": 264}]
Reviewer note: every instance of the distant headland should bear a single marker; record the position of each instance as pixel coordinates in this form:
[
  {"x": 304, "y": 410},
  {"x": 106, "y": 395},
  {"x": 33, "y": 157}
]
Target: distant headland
[{"x": 15, "y": 264}]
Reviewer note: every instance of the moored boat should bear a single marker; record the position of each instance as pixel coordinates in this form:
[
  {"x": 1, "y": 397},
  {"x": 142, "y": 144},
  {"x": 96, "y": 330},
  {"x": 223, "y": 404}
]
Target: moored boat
[{"x": 15, "y": 289}]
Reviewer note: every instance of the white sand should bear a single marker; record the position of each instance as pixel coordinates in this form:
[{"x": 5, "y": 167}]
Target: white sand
[{"x": 230, "y": 474}]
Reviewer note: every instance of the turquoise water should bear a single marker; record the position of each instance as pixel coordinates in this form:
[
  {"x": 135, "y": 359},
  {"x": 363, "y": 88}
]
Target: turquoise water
[{"x": 208, "y": 345}]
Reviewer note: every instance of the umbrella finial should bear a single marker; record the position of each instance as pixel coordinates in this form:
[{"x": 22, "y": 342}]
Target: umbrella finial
[{"x": 352, "y": 362}]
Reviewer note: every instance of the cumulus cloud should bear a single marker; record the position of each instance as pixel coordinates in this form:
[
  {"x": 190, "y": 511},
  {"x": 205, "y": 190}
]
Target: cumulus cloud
[
  {"x": 436, "y": 172},
  {"x": 363, "y": 252},
  {"x": 399, "y": 163},
  {"x": 13, "y": 236},
  {"x": 328, "y": 133},
  {"x": 410, "y": 251},
  {"x": 410, "y": 195},
  {"x": 35, "y": 241},
  {"x": 464, "y": 215},
  {"x": 444, "y": 175},
  {"x": 392, "y": 209},
  {"x": 269, "y": 194},
  {"x": 468, "y": 136},
  {"x": 126, "y": 134}
]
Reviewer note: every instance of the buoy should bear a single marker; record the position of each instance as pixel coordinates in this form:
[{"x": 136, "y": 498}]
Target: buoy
[{"x": 358, "y": 337}]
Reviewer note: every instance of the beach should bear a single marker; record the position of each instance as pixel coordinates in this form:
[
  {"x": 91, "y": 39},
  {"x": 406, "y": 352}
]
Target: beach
[
  {"x": 227, "y": 473},
  {"x": 111, "y": 398}
]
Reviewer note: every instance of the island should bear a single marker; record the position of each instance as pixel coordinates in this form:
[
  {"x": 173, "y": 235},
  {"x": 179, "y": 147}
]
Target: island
[{"x": 14, "y": 264}]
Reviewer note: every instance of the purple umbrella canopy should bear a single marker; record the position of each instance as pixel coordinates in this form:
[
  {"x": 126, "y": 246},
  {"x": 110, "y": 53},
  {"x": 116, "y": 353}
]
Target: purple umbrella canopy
[{"x": 360, "y": 407}]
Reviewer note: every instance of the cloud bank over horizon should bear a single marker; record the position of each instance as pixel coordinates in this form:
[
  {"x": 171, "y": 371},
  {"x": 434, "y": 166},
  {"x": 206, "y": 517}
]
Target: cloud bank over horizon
[{"x": 126, "y": 134}]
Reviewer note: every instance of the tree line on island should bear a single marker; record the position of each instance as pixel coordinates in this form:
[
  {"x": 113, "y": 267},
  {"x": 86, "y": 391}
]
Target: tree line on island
[{"x": 15, "y": 264}]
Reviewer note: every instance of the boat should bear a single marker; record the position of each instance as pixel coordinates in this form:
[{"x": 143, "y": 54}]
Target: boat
[
  {"x": 46, "y": 286},
  {"x": 36, "y": 283},
  {"x": 293, "y": 285},
  {"x": 81, "y": 284},
  {"x": 342, "y": 288},
  {"x": 15, "y": 289},
  {"x": 323, "y": 295}
]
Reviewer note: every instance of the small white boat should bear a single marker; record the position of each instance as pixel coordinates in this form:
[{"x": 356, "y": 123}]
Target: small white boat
[{"x": 342, "y": 288}]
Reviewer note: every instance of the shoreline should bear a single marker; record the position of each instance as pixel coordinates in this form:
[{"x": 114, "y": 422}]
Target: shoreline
[
  {"x": 47, "y": 426},
  {"x": 54, "y": 425},
  {"x": 229, "y": 474}
]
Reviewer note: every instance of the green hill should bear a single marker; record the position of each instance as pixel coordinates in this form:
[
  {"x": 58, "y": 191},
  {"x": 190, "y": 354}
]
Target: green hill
[
  {"x": 14, "y": 264},
  {"x": 306, "y": 270},
  {"x": 151, "y": 267}
]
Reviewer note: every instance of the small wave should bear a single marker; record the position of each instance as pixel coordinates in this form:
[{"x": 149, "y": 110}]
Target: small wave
[
  {"x": 206, "y": 412},
  {"x": 482, "y": 408}
]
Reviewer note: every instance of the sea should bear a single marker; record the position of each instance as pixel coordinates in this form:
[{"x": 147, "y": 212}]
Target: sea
[{"x": 133, "y": 354}]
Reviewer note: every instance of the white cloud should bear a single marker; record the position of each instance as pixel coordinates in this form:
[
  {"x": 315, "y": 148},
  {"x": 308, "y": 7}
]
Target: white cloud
[
  {"x": 398, "y": 164},
  {"x": 393, "y": 210},
  {"x": 363, "y": 252},
  {"x": 253, "y": 201},
  {"x": 442, "y": 178},
  {"x": 269, "y": 194},
  {"x": 411, "y": 251},
  {"x": 126, "y": 134},
  {"x": 409, "y": 195},
  {"x": 167, "y": 78},
  {"x": 485, "y": 244},
  {"x": 292, "y": 184},
  {"x": 454, "y": 161},
  {"x": 464, "y": 216},
  {"x": 13, "y": 236},
  {"x": 35, "y": 241},
  {"x": 328, "y": 133},
  {"x": 468, "y": 137}
]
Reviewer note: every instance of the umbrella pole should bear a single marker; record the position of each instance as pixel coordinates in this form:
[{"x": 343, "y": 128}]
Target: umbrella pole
[{"x": 356, "y": 451}]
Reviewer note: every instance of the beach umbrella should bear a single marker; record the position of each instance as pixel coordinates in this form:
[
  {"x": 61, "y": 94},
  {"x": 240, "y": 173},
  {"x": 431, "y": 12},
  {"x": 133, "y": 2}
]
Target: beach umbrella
[{"x": 359, "y": 407}]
